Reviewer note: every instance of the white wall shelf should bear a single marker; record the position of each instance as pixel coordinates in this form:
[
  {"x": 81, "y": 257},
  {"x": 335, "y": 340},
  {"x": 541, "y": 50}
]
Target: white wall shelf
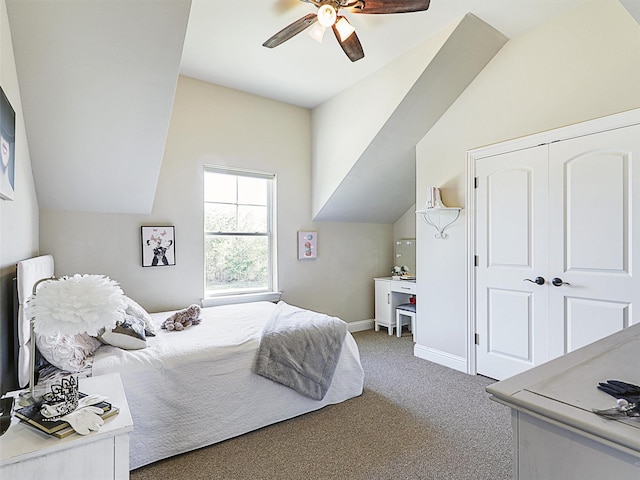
[{"x": 440, "y": 218}]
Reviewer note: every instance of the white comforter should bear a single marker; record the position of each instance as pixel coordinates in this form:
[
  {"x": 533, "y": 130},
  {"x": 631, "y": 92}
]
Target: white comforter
[{"x": 193, "y": 388}]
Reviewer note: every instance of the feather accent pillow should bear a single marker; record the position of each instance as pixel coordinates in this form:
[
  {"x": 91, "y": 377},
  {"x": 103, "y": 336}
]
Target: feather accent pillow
[{"x": 71, "y": 305}]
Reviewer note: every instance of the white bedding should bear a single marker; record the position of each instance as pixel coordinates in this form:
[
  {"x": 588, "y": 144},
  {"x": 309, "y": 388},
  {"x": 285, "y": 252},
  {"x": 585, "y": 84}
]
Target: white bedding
[{"x": 194, "y": 388}]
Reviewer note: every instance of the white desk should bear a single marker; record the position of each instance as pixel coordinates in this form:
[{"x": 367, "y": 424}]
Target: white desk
[
  {"x": 556, "y": 436},
  {"x": 388, "y": 295},
  {"x": 27, "y": 453}
]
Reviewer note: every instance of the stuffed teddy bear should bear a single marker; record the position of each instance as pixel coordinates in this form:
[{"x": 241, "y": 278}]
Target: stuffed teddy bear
[{"x": 183, "y": 319}]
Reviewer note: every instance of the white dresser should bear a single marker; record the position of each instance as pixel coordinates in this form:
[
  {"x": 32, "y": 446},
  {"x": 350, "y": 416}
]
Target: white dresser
[
  {"x": 556, "y": 436},
  {"x": 27, "y": 453}
]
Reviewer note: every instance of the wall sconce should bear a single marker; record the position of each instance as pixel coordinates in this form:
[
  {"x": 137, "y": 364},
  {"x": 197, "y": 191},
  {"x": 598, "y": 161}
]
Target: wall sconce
[{"x": 437, "y": 214}]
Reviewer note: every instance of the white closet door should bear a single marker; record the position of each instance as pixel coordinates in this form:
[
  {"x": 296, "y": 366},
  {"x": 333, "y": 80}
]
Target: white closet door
[
  {"x": 511, "y": 245},
  {"x": 593, "y": 230},
  {"x": 565, "y": 212}
]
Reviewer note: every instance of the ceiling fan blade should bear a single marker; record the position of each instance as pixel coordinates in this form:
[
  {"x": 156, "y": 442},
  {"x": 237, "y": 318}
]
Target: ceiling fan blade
[
  {"x": 391, "y": 6},
  {"x": 351, "y": 45},
  {"x": 291, "y": 30}
]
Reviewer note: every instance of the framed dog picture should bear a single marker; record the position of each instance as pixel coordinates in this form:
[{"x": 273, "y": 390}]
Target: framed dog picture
[{"x": 158, "y": 246}]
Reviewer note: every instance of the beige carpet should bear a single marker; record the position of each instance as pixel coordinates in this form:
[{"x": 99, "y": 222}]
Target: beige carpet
[{"x": 415, "y": 420}]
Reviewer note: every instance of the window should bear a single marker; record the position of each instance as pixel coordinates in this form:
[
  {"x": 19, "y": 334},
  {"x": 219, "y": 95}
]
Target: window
[{"x": 239, "y": 235}]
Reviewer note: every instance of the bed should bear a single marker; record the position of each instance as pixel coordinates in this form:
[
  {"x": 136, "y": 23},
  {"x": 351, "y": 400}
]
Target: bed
[{"x": 197, "y": 387}]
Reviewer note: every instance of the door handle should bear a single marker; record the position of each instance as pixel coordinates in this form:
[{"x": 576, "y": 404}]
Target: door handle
[
  {"x": 537, "y": 281},
  {"x": 558, "y": 282}
]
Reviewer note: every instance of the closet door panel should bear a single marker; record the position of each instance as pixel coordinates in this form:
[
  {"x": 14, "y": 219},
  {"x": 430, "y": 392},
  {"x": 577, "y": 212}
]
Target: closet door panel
[
  {"x": 588, "y": 320},
  {"x": 511, "y": 322},
  {"x": 592, "y": 227},
  {"x": 597, "y": 212},
  {"x": 509, "y": 200},
  {"x": 511, "y": 243}
]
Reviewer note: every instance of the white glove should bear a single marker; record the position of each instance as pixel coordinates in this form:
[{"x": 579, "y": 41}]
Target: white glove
[
  {"x": 49, "y": 411},
  {"x": 85, "y": 420},
  {"x": 90, "y": 400}
]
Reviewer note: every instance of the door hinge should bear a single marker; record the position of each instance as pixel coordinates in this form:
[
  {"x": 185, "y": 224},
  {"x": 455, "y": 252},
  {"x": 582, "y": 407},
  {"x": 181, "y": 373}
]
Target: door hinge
[
  {"x": 475, "y": 182},
  {"x": 476, "y": 261},
  {"x": 477, "y": 339}
]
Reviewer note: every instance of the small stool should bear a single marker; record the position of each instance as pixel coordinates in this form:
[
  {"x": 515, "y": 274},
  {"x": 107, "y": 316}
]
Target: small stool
[{"x": 405, "y": 315}]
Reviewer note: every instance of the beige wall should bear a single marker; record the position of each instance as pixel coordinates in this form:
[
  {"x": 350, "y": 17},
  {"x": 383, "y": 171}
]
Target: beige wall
[
  {"x": 18, "y": 218},
  {"x": 213, "y": 125},
  {"x": 405, "y": 226},
  {"x": 583, "y": 65}
]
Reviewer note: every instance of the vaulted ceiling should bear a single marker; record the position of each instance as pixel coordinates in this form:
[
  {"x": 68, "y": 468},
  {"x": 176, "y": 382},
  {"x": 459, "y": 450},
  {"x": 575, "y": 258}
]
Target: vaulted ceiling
[{"x": 97, "y": 78}]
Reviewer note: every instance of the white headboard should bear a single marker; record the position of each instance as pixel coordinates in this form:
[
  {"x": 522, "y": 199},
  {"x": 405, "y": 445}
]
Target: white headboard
[{"x": 29, "y": 272}]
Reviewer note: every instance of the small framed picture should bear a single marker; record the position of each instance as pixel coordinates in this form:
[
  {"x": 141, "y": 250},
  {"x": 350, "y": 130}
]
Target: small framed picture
[
  {"x": 307, "y": 245},
  {"x": 158, "y": 246}
]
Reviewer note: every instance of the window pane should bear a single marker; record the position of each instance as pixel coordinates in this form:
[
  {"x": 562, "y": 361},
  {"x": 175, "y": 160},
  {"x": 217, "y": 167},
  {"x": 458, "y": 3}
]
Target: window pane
[
  {"x": 220, "y": 187},
  {"x": 252, "y": 219},
  {"x": 236, "y": 263},
  {"x": 252, "y": 191},
  {"x": 219, "y": 217}
]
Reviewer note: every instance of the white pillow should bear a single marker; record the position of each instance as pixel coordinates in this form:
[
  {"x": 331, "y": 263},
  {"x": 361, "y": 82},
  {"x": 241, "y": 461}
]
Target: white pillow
[
  {"x": 135, "y": 310},
  {"x": 67, "y": 352},
  {"x": 128, "y": 334}
]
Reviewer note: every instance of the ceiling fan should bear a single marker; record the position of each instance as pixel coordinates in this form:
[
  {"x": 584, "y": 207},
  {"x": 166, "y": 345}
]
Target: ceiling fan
[{"x": 327, "y": 16}]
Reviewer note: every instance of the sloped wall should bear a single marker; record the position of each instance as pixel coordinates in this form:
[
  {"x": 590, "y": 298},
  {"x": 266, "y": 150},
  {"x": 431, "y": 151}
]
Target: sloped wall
[
  {"x": 384, "y": 117},
  {"x": 344, "y": 126},
  {"x": 97, "y": 80}
]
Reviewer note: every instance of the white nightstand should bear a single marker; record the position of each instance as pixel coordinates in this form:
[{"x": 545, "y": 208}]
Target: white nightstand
[{"x": 28, "y": 453}]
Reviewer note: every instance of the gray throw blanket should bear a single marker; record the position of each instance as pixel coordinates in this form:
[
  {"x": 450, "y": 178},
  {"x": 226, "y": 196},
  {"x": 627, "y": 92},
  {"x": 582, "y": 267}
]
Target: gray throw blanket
[{"x": 300, "y": 349}]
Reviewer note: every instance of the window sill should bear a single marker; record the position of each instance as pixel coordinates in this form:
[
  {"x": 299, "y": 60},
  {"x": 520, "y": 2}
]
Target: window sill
[{"x": 244, "y": 298}]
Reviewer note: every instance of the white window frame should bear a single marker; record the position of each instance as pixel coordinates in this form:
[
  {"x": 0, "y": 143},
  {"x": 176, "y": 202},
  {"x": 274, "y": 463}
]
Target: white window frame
[{"x": 271, "y": 292}]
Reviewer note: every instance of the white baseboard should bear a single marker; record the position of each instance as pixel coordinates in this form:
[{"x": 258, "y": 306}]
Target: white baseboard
[
  {"x": 360, "y": 325},
  {"x": 440, "y": 357}
]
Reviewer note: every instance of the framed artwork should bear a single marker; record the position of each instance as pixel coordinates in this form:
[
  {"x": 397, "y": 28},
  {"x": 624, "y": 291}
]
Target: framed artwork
[
  {"x": 307, "y": 245},
  {"x": 158, "y": 246},
  {"x": 7, "y": 147}
]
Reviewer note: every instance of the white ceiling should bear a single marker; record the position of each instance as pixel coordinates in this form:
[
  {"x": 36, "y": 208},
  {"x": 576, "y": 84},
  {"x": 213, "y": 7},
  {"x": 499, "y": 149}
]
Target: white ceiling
[
  {"x": 224, "y": 40},
  {"x": 97, "y": 78}
]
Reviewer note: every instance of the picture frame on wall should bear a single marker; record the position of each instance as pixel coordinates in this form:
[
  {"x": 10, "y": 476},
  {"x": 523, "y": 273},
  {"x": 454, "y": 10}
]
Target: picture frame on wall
[
  {"x": 7, "y": 147},
  {"x": 158, "y": 246},
  {"x": 307, "y": 245}
]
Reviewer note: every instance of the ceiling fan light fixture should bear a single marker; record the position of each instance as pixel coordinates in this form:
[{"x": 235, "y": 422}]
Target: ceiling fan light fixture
[
  {"x": 345, "y": 29},
  {"x": 317, "y": 32},
  {"x": 327, "y": 15}
]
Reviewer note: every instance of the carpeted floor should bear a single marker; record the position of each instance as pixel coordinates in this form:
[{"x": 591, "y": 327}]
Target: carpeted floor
[{"x": 415, "y": 420}]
